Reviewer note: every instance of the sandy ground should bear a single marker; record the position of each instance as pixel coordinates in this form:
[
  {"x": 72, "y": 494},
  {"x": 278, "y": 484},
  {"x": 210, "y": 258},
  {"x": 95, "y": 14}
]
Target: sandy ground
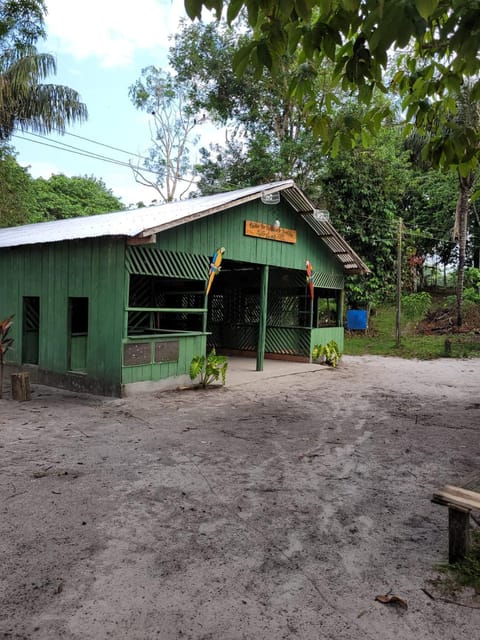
[{"x": 276, "y": 507}]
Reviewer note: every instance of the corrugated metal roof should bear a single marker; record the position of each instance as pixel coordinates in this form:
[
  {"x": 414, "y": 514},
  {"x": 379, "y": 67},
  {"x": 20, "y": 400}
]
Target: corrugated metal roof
[
  {"x": 352, "y": 263},
  {"x": 149, "y": 220},
  {"x": 137, "y": 222}
]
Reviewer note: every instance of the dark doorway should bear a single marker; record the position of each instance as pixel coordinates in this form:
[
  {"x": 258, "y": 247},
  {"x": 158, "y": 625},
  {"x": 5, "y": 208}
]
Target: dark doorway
[
  {"x": 78, "y": 334},
  {"x": 31, "y": 329}
]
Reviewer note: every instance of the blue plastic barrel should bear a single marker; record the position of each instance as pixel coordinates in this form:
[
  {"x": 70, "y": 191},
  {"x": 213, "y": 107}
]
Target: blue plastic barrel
[{"x": 357, "y": 319}]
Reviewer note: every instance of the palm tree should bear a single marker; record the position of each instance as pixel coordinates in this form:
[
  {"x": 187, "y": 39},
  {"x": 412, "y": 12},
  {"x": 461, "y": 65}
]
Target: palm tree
[{"x": 26, "y": 102}]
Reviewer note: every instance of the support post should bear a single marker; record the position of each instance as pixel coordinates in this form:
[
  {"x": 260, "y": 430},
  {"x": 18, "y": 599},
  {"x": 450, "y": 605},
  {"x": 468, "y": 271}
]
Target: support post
[
  {"x": 458, "y": 534},
  {"x": 399, "y": 281},
  {"x": 21, "y": 386},
  {"x": 340, "y": 307},
  {"x": 205, "y": 314},
  {"x": 262, "y": 324}
]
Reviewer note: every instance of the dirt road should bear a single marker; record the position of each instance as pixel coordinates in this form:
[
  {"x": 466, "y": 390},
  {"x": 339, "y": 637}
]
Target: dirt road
[{"x": 275, "y": 508}]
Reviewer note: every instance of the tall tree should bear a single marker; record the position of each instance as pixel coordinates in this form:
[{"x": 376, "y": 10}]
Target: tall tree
[
  {"x": 363, "y": 189},
  {"x": 449, "y": 134},
  {"x": 21, "y": 23},
  {"x": 442, "y": 43},
  {"x": 467, "y": 125},
  {"x": 26, "y": 102},
  {"x": 164, "y": 98},
  {"x": 268, "y": 133},
  {"x": 358, "y": 36}
]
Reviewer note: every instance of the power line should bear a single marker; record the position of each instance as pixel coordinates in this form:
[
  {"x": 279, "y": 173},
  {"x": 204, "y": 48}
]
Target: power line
[
  {"x": 62, "y": 146},
  {"x": 101, "y": 144},
  {"x": 58, "y": 144},
  {"x": 72, "y": 149}
]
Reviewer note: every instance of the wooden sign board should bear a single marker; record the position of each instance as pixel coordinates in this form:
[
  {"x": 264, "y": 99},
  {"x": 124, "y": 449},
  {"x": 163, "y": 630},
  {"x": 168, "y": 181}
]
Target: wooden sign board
[{"x": 269, "y": 232}]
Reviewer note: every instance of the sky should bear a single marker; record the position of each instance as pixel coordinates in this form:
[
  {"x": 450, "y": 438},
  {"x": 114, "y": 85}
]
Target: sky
[{"x": 100, "y": 47}]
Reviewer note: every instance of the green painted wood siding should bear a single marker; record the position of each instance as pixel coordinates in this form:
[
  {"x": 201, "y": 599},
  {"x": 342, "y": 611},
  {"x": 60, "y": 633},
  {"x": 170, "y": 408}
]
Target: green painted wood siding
[
  {"x": 226, "y": 229},
  {"x": 189, "y": 346},
  {"x": 325, "y": 334},
  {"x": 93, "y": 269}
]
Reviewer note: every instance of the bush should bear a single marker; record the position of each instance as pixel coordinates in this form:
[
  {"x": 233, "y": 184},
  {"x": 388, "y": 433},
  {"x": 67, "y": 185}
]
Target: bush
[
  {"x": 330, "y": 352},
  {"x": 416, "y": 305},
  {"x": 472, "y": 278}
]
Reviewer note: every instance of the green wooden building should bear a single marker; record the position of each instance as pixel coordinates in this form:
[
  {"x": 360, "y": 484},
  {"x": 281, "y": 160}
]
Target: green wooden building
[{"x": 117, "y": 303}]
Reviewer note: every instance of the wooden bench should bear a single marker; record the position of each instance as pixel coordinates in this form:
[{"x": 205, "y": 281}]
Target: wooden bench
[{"x": 460, "y": 502}]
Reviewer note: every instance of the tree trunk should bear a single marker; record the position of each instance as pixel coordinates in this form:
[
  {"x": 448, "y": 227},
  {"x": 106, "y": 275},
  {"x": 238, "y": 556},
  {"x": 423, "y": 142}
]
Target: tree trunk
[
  {"x": 21, "y": 386},
  {"x": 461, "y": 225}
]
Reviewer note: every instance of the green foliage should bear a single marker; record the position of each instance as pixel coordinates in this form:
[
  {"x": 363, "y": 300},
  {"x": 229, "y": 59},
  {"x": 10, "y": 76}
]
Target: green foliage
[
  {"x": 363, "y": 191},
  {"x": 21, "y": 23},
  {"x": 428, "y": 206},
  {"x": 25, "y": 200},
  {"x": 269, "y": 136},
  {"x": 61, "y": 197},
  {"x": 210, "y": 369},
  {"x": 472, "y": 278},
  {"x": 416, "y": 305},
  {"x": 330, "y": 352},
  {"x": 26, "y": 101},
  {"x": 358, "y": 36},
  {"x": 320, "y": 56},
  {"x": 471, "y": 295},
  {"x": 5, "y": 344},
  {"x": 16, "y": 188},
  {"x": 380, "y": 339}
]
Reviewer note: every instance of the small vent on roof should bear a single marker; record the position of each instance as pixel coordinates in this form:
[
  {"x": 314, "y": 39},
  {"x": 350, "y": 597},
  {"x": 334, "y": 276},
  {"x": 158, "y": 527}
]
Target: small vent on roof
[
  {"x": 322, "y": 215},
  {"x": 270, "y": 198}
]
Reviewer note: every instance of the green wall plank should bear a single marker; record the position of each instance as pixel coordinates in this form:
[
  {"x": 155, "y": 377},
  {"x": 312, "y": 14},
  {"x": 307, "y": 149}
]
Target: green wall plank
[
  {"x": 56, "y": 272},
  {"x": 226, "y": 229}
]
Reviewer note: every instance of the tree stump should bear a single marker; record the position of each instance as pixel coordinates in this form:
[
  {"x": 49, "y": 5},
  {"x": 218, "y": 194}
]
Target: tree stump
[{"x": 21, "y": 386}]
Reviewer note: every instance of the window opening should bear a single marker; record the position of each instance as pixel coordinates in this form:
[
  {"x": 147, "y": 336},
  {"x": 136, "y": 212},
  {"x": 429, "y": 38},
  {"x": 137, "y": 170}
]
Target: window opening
[
  {"x": 31, "y": 329},
  {"x": 78, "y": 334},
  {"x": 159, "y": 305},
  {"x": 327, "y": 309}
]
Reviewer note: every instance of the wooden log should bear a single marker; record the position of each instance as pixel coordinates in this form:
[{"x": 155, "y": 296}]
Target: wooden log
[
  {"x": 458, "y": 534},
  {"x": 21, "y": 386}
]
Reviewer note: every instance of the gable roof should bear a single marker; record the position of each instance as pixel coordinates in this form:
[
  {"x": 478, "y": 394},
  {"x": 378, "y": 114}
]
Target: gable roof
[{"x": 144, "y": 222}]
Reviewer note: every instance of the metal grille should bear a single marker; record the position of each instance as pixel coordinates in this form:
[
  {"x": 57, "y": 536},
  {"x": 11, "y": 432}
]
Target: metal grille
[{"x": 172, "y": 264}]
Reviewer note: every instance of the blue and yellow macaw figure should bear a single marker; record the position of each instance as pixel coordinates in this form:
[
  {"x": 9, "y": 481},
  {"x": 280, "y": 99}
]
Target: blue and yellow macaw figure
[
  {"x": 309, "y": 268},
  {"x": 215, "y": 266}
]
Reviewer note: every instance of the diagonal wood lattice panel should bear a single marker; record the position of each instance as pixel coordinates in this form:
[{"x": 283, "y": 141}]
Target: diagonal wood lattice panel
[{"x": 171, "y": 264}]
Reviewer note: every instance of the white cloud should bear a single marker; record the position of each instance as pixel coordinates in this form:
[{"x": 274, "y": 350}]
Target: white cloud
[{"x": 111, "y": 31}]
